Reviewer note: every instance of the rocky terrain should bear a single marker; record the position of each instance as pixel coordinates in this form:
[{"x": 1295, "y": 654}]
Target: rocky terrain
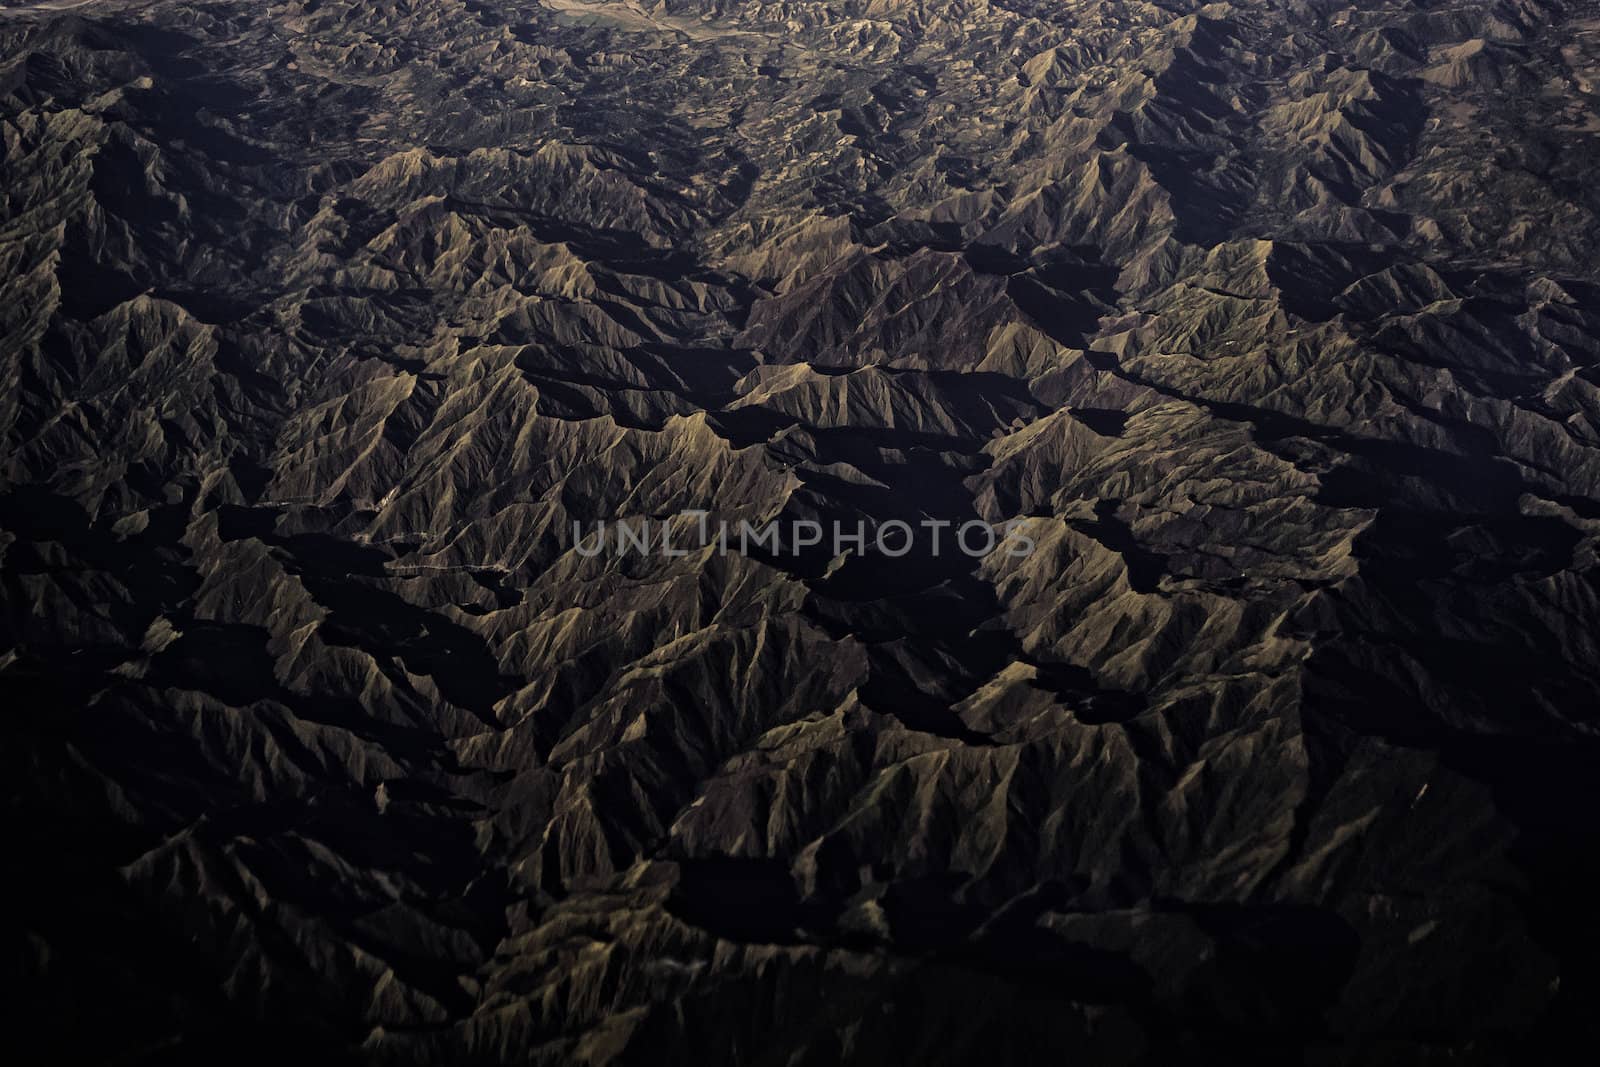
[{"x": 1275, "y": 324}]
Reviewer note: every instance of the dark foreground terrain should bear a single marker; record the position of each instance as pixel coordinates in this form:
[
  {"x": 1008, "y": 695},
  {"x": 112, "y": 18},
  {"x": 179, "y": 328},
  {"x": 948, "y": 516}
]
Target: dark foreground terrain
[{"x": 322, "y": 322}]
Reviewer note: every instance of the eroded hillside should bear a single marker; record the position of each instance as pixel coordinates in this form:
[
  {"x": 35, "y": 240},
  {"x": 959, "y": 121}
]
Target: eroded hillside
[{"x": 1277, "y": 325}]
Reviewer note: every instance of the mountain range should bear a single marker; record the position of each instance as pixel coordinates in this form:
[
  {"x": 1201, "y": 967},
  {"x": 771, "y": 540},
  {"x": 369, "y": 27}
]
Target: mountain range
[{"x": 325, "y": 325}]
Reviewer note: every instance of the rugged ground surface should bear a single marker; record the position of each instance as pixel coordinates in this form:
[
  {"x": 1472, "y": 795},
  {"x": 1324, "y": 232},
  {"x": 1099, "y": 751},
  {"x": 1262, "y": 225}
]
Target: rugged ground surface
[{"x": 320, "y": 322}]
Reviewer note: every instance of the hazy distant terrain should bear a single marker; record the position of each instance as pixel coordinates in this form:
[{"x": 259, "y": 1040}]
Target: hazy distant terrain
[{"x": 1275, "y": 325}]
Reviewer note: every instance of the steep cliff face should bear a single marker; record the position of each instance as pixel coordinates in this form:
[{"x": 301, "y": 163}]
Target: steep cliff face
[{"x": 1275, "y": 328}]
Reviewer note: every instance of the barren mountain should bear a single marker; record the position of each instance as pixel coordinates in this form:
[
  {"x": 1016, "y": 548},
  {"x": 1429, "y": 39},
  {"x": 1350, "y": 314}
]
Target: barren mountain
[{"x": 1273, "y": 328}]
